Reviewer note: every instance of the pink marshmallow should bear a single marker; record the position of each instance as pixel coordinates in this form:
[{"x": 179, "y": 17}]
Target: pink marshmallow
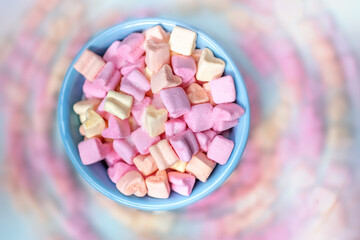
[
  {"x": 223, "y": 89},
  {"x": 227, "y": 111},
  {"x": 112, "y": 55},
  {"x": 175, "y": 101},
  {"x": 135, "y": 84},
  {"x": 92, "y": 151},
  {"x": 220, "y": 149},
  {"x": 143, "y": 141},
  {"x": 139, "y": 64},
  {"x": 156, "y": 33},
  {"x": 157, "y": 54},
  {"x": 89, "y": 64},
  {"x": 157, "y": 102},
  {"x": 112, "y": 157},
  {"x": 182, "y": 190},
  {"x": 188, "y": 83},
  {"x": 220, "y": 126},
  {"x": 101, "y": 111},
  {"x": 138, "y": 110},
  {"x": 185, "y": 145},
  {"x": 174, "y": 126},
  {"x": 181, "y": 183},
  {"x": 184, "y": 67},
  {"x": 125, "y": 150},
  {"x": 131, "y": 47},
  {"x": 117, "y": 128},
  {"x": 92, "y": 91},
  {"x": 99, "y": 88},
  {"x": 118, "y": 170},
  {"x": 204, "y": 139},
  {"x": 200, "y": 117},
  {"x": 105, "y": 74}
]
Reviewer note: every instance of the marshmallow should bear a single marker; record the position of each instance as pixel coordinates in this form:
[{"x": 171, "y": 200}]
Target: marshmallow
[
  {"x": 227, "y": 111},
  {"x": 112, "y": 157},
  {"x": 200, "y": 117},
  {"x": 174, "y": 126},
  {"x": 200, "y": 166},
  {"x": 117, "y": 128},
  {"x": 175, "y": 101},
  {"x": 132, "y": 183},
  {"x": 135, "y": 84},
  {"x": 179, "y": 166},
  {"x": 92, "y": 91},
  {"x": 131, "y": 47},
  {"x": 154, "y": 120},
  {"x": 104, "y": 75},
  {"x": 101, "y": 111},
  {"x": 224, "y": 125},
  {"x": 112, "y": 55},
  {"x": 82, "y": 118},
  {"x": 157, "y": 54},
  {"x": 182, "y": 41},
  {"x": 92, "y": 151},
  {"x": 158, "y": 185},
  {"x": 196, "y": 55},
  {"x": 143, "y": 141},
  {"x": 223, "y": 90},
  {"x": 181, "y": 183},
  {"x": 138, "y": 110},
  {"x": 206, "y": 87},
  {"x": 83, "y": 105},
  {"x": 118, "y": 170},
  {"x": 220, "y": 149},
  {"x": 184, "y": 67},
  {"x": 125, "y": 150},
  {"x": 118, "y": 104},
  {"x": 196, "y": 94},
  {"x": 185, "y": 145},
  {"x": 94, "y": 124},
  {"x": 89, "y": 64},
  {"x": 163, "y": 154},
  {"x": 139, "y": 64},
  {"x": 204, "y": 139},
  {"x": 148, "y": 73},
  {"x": 209, "y": 67},
  {"x": 157, "y": 102},
  {"x": 164, "y": 78},
  {"x": 146, "y": 164},
  {"x": 157, "y": 34},
  {"x": 133, "y": 124}
]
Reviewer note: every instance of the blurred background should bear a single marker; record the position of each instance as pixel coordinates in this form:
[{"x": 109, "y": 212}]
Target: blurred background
[{"x": 299, "y": 173}]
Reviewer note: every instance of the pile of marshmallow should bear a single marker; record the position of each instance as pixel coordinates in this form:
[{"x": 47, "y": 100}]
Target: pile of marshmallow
[{"x": 154, "y": 109}]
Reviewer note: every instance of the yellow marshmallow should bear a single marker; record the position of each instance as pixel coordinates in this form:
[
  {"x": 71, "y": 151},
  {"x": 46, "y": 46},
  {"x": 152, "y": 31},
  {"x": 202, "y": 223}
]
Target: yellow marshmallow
[
  {"x": 163, "y": 154},
  {"x": 179, "y": 166},
  {"x": 94, "y": 124},
  {"x": 81, "y": 106},
  {"x": 82, "y": 118},
  {"x": 118, "y": 104},
  {"x": 154, "y": 120},
  {"x": 182, "y": 41},
  {"x": 148, "y": 73},
  {"x": 209, "y": 67}
]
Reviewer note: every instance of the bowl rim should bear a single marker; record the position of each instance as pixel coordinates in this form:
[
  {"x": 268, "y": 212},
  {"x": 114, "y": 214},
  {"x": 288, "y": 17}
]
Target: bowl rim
[{"x": 72, "y": 150}]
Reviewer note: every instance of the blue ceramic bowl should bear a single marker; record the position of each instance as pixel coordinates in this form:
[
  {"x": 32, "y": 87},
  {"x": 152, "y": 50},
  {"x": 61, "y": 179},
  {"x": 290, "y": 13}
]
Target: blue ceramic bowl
[{"x": 95, "y": 174}]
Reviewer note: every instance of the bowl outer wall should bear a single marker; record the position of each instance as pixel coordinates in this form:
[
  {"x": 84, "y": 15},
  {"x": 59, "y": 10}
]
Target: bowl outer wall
[{"x": 96, "y": 174}]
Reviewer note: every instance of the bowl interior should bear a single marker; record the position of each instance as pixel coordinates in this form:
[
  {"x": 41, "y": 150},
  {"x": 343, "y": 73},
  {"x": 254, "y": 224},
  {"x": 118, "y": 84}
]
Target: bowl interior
[{"x": 95, "y": 174}]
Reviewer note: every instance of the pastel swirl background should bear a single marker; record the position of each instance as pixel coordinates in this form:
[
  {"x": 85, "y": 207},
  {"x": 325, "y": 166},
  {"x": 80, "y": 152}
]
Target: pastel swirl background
[{"x": 299, "y": 173}]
